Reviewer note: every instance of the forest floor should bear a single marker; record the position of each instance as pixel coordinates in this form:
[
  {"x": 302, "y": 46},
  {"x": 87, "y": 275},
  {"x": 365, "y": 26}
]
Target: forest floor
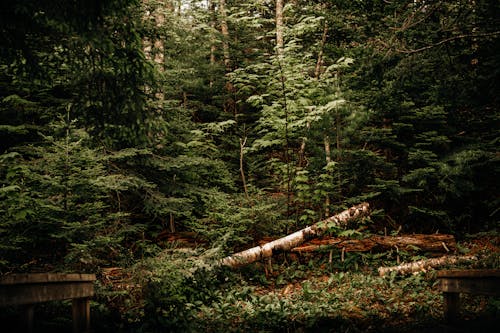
[
  {"x": 325, "y": 292},
  {"x": 367, "y": 302},
  {"x": 313, "y": 292}
]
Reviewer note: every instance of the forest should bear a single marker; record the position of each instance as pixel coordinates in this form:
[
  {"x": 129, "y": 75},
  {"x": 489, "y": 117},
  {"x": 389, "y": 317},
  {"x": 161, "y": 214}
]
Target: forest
[{"x": 175, "y": 147}]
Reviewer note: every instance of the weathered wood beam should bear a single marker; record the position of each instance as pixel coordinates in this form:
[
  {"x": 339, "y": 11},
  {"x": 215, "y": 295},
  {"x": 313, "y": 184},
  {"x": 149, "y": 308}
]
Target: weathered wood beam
[
  {"x": 16, "y": 289},
  {"x": 472, "y": 281},
  {"x": 29, "y": 289}
]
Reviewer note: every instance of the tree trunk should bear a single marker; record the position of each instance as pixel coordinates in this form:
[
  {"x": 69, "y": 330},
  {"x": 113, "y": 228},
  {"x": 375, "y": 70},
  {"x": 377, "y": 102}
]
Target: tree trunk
[
  {"x": 295, "y": 239},
  {"x": 317, "y": 73},
  {"x": 211, "y": 7},
  {"x": 319, "y": 62},
  {"x": 154, "y": 48},
  {"x": 242, "y": 170},
  {"x": 225, "y": 34},
  {"x": 229, "y": 103},
  {"x": 279, "y": 27},
  {"x": 436, "y": 243},
  {"x": 328, "y": 159},
  {"x": 423, "y": 265}
]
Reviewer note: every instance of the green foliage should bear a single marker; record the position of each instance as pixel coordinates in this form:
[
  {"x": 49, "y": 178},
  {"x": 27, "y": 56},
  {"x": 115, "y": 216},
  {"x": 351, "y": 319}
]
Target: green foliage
[
  {"x": 122, "y": 121},
  {"x": 57, "y": 203},
  {"x": 296, "y": 108},
  {"x": 239, "y": 222},
  {"x": 420, "y": 85},
  {"x": 339, "y": 300},
  {"x": 95, "y": 188},
  {"x": 98, "y": 48},
  {"x": 176, "y": 284}
]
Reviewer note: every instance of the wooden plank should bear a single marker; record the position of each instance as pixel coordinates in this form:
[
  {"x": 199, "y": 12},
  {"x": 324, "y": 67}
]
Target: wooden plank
[
  {"x": 44, "y": 278},
  {"x": 12, "y": 294},
  {"x": 81, "y": 315},
  {"x": 469, "y": 273},
  {"x": 483, "y": 286},
  {"x": 451, "y": 306},
  {"x": 27, "y": 318}
]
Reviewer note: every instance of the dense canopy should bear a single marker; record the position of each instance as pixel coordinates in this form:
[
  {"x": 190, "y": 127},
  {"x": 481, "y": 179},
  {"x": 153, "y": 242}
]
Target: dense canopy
[{"x": 125, "y": 124}]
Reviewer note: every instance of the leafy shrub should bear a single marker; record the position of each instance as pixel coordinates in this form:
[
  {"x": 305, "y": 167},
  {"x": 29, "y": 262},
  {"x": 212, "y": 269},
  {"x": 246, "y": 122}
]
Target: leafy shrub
[{"x": 176, "y": 284}]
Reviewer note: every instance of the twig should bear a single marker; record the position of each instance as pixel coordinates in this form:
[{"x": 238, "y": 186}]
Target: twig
[{"x": 447, "y": 40}]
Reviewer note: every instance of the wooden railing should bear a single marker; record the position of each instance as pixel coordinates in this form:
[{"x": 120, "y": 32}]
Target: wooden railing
[
  {"x": 471, "y": 281},
  {"x": 29, "y": 289}
]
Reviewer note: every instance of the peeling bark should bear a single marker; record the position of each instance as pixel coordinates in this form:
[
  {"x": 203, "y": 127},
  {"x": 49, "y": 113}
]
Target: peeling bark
[
  {"x": 423, "y": 265},
  {"x": 293, "y": 240},
  {"x": 279, "y": 27}
]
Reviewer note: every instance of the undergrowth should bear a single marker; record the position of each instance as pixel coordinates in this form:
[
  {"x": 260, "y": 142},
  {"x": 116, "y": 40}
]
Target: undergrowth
[{"x": 183, "y": 291}]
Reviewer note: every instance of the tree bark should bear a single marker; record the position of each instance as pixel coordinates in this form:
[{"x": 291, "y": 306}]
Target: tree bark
[
  {"x": 279, "y": 27},
  {"x": 319, "y": 62},
  {"x": 225, "y": 34},
  {"x": 229, "y": 103},
  {"x": 328, "y": 159},
  {"x": 154, "y": 48},
  {"x": 211, "y": 8},
  {"x": 423, "y": 265},
  {"x": 437, "y": 243},
  {"x": 242, "y": 170},
  {"x": 295, "y": 239}
]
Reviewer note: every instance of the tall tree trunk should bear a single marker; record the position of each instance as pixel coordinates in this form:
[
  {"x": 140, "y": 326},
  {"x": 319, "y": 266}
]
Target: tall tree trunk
[
  {"x": 328, "y": 159},
  {"x": 159, "y": 55},
  {"x": 225, "y": 34},
  {"x": 154, "y": 49},
  {"x": 319, "y": 62},
  {"x": 287, "y": 138},
  {"x": 229, "y": 104},
  {"x": 337, "y": 138},
  {"x": 317, "y": 74},
  {"x": 211, "y": 7},
  {"x": 242, "y": 170},
  {"x": 279, "y": 27},
  {"x": 295, "y": 239}
]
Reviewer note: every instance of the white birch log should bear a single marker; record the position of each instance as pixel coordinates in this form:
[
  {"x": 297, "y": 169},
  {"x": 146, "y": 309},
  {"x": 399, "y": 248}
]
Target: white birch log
[
  {"x": 293, "y": 240},
  {"x": 423, "y": 265}
]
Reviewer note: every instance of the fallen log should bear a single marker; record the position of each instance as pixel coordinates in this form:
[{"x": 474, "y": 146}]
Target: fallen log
[
  {"x": 293, "y": 240},
  {"x": 423, "y": 265},
  {"x": 419, "y": 242}
]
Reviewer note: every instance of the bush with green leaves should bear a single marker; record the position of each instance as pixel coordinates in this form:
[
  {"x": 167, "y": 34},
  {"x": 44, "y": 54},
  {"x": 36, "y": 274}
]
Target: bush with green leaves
[{"x": 176, "y": 284}]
